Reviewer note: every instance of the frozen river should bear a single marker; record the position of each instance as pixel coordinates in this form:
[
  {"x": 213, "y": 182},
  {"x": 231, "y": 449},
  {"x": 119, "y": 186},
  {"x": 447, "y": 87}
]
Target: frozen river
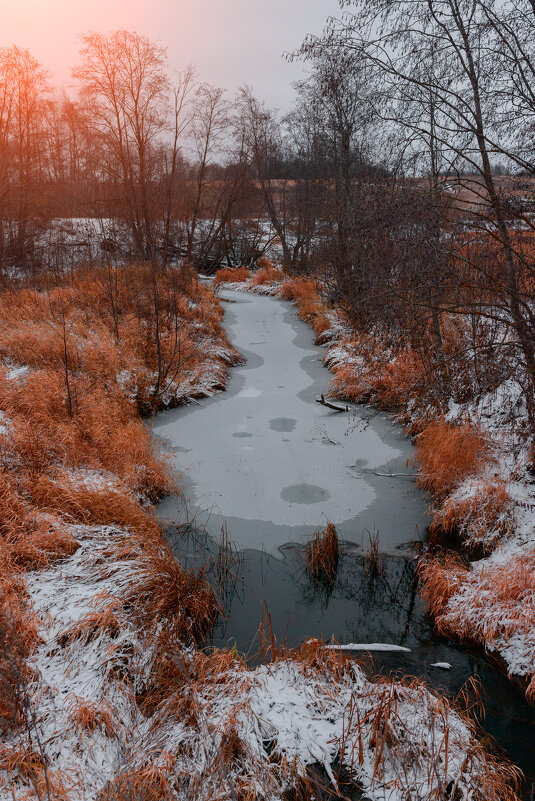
[{"x": 272, "y": 463}]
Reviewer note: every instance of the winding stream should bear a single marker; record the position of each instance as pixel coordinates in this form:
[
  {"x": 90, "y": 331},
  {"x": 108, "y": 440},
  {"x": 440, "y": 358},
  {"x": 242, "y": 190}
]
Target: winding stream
[{"x": 270, "y": 465}]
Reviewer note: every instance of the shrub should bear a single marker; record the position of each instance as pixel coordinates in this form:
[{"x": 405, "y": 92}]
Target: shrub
[{"x": 267, "y": 273}]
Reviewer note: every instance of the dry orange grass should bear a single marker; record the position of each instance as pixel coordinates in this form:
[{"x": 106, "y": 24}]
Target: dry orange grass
[
  {"x": 267, "y": 272},
  {"x": 511, "y": 586},
  {"x": 398, "y": 379},
  {"x": 323, "y": 553},
  {"x": 88, "y": 716},
  {"x": 481, "y": 518},
  {"x": 448, "y": 454},
  {"x": 348, "y": 384},
  {"x": 440, "y": 580},
  {"x": 88, "y": 458},
  {"x": 310, "y": 307},
  {"x": 228, "y": 275},
  {"x": 164, "y": 591}
]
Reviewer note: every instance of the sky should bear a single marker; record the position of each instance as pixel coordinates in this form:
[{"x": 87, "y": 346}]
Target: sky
[{"x": 231, "y": 42}]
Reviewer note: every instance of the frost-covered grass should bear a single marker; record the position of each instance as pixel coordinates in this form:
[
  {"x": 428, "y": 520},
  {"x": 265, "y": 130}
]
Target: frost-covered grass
[
  {"x": 122, "y": 708},
  {"x": 473, "y": 457}
]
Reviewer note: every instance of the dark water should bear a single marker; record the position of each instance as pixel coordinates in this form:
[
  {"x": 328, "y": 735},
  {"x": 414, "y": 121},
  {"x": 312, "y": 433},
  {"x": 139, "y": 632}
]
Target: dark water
[{"x": 366, "y": 604}]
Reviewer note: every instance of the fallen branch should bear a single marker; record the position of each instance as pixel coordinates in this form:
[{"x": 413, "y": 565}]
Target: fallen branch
[{"x": 332, "y": 405}]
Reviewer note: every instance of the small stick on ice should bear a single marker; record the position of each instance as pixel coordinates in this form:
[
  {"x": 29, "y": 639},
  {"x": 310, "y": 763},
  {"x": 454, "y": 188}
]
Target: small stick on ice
[{"x": 332, "y": 405}]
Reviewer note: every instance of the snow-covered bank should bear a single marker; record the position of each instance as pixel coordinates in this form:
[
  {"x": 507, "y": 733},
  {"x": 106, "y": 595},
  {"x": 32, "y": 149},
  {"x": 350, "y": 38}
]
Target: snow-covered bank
[{"x": 119, "y": 704}]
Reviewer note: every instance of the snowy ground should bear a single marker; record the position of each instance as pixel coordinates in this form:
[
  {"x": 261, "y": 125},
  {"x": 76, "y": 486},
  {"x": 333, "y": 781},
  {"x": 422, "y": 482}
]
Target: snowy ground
[{"x": 221, "y": 726}]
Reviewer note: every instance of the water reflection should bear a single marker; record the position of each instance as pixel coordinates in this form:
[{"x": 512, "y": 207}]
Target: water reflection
[{"x": 366, "y": 604}]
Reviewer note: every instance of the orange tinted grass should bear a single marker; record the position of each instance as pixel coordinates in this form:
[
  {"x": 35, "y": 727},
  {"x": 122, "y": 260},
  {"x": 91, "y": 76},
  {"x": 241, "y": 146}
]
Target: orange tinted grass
[
  {"x": 313, "y": 655},
  {"x": 150, "y": 782},
  {"x": 89, "y": 716},
  {"x": 267, "y": 273},
  {"x": 323, "y": 553},
  {"x": 510, "y": 585},
  {"x": 82, "y": 504},
  {"x": 231, "y": 275},
  {"x": 164, "y": 591},
  {"x": 107, "y": 618},
  {"x": 348, "y": 384},
  {"x": 398, "y": 379},
  {"x": 25, "y": 762},
  {"x": 439, "y": 580},
  {"x": 447, "y": 454},
  {"x": 482, "y": 518},
  {"x": 310, "y": 307}
]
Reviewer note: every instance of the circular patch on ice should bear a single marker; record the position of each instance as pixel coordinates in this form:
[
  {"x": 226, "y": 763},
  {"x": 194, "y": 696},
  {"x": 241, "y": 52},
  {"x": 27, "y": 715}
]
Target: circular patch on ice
[
  {"x": 305, "y": 493},
  {"x": 249, "y": 392},
  {"x": 282, "y": 424}
]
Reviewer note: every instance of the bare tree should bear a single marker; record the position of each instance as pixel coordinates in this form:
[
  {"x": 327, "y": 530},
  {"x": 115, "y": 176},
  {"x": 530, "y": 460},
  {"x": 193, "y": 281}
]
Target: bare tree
[
  {"x": 23, "y": 95},
  {"x": 123, "y": 80},
  {"x": 444, "y": 54}
]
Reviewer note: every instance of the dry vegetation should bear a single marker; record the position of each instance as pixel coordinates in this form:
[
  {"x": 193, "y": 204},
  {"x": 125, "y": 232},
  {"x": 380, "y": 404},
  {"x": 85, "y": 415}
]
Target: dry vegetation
[{"x": 323, "y": 553}]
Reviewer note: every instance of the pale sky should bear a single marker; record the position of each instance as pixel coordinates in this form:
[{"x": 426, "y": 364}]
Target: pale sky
[{"x": 231, "y": 42}]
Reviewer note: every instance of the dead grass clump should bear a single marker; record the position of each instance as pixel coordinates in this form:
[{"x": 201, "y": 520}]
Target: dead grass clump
[
  {"x": 480, "y": 517},
  {"x": 448, "y": 454},
  {"x": 230, "y": 275},
  {"x": 163, "y": 591},
  {"x": 440, "y": 579},
  {"x": 232, "y": 749},
  {"x": 25, "y": 763},
  {"x": 313, "y": 656},
  {"x": 460, "y": 601},
  {"x": 399, "y": 379},
  {"x": 348, "y": 384},
  {"x": 88, "y": 716},
  {"x": 323, "y": 553},
  {"x": 93, "y": 506},
  {"x": 150, "y": 782},
  {"x": 267, "y": 273},
  {"x": 310, "y": 307},
  {"x": 41, "y": 548},
  {"x": 320, "y": 324},
  {"x": 372, "y": 557},
  {"x": 90, "y": 626}
]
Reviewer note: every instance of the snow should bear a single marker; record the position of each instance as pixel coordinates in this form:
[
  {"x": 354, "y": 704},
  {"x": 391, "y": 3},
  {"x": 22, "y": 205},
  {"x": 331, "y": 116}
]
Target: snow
[
  {"x": 442, "y": 665},
  {"x": 15, "y": 371}
]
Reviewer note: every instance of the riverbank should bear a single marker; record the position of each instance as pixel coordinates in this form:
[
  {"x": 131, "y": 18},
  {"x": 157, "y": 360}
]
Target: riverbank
[
  {"x": 474, "y": 459},
  {"x": 105, "y": 693}
]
